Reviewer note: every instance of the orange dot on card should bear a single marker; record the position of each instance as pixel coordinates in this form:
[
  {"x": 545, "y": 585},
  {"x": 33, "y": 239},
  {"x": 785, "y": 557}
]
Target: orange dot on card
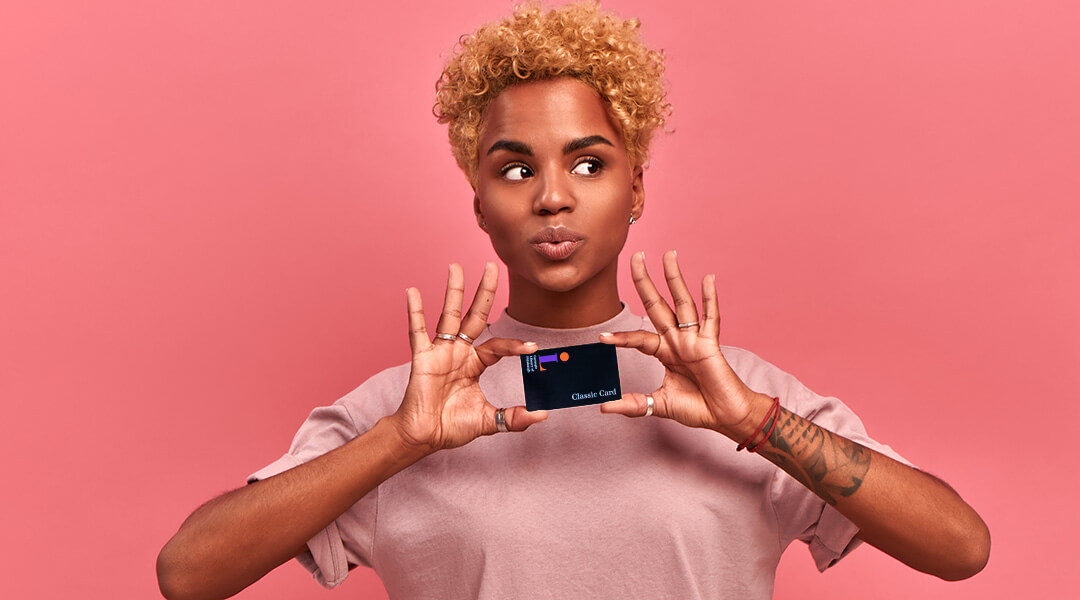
[{"x": 565, "y": 356}]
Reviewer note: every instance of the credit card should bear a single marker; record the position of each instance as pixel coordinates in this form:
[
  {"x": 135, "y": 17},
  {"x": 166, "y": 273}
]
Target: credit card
[{"x": 570, "y": 376}]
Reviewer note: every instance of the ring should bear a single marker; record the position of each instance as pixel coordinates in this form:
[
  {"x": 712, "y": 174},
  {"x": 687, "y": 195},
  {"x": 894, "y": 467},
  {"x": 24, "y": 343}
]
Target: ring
[
  {"x": 686, "y": 325},
  {"x": 446, "y": 336},
  {"x": 465, "y": 337},
  {"x": 648, "y": 405},
  {"x": 500, "y": 420}
]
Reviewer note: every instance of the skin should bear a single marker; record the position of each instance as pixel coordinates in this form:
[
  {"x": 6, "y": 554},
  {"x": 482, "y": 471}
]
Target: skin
[
  {"x": 525, "y": 184},
  {"x": 526, "y": 181},
  {"x": 908, "y": 514}
]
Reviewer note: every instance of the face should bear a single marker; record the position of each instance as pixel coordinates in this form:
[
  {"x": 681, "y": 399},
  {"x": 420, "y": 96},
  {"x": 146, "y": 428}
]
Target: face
[{"x": 555, "y": 189}]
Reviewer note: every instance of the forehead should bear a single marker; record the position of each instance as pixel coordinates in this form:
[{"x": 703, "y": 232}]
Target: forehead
[{"x": 550, "y": 110}]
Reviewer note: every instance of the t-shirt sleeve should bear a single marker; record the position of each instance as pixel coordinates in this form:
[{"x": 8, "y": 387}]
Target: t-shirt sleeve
[
  {"x": 347, "y": 541},
  {"x": 829, "y": 534},
  {"x": 801, "y": 514}
]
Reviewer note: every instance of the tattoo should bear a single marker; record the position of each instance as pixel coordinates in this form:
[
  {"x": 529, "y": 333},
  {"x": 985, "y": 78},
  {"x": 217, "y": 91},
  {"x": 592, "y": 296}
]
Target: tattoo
[{"x": 829, "y": 465}]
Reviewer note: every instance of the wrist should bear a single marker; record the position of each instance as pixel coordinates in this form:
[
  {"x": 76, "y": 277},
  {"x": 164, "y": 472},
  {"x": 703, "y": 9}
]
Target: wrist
[
  {"x": 403, "y": 445},
  {"x": 759, "y": 407}
]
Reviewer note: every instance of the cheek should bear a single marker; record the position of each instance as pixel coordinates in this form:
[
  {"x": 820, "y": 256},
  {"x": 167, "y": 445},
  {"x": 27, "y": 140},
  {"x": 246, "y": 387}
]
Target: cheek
[
  {"x": 619, "y": 199},
  {"x": 502, "y": 225},
  {"x": 501, "y": 219}
]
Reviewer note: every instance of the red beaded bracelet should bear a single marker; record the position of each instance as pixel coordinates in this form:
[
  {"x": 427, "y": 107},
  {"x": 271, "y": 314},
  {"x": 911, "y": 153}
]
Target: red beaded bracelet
[{"x": 775, "y": 407}]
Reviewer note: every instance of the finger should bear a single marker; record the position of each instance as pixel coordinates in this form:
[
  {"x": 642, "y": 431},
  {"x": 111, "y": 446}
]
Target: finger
[
  {"x": 710, "y": 310},
  {"x": 494, "y": 349},
  {"x": 418, "y": 336},
  {"x": 659, "y": 313},
  {"x": 519, "y": 419},
  {"x": 450, "y": 319},
  {"x": 685, "y": 309},
  {"x": 645, "y": 342},
  {"x": 635, "y": 405},
  {"x": 476, "y": 319}
]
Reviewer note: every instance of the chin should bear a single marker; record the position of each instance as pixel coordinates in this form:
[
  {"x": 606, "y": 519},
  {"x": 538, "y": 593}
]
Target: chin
[
  {"x": 560, "y": 286},
  {"x": 561, "y": 280},
  {"x": 558, "y": 276}
]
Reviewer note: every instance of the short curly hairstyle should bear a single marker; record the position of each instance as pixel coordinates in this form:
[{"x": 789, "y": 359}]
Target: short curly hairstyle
[{"x": 576, "y": 40}]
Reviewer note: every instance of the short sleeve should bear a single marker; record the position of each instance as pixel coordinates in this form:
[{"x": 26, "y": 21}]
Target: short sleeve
[
  {"x": 829, "y": 535},
  {"x": 347, "y": 541},
  {"x": 800, "y": 513}
]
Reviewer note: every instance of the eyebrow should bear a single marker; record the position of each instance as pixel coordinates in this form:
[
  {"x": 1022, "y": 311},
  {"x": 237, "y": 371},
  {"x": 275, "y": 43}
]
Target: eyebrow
[
  {"x": 571, "y": 146},
  {"x": 585, "y": 142},
  {"x": 515, "y": 147}
]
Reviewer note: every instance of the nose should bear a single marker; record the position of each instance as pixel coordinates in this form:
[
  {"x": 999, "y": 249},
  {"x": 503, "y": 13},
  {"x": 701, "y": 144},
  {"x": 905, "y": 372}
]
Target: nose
[{"x": 554, "y": 194}]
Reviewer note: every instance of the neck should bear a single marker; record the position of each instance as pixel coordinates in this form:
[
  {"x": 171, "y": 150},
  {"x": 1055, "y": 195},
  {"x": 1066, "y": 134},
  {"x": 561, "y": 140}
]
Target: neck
[{"x": 592, "y": 302}]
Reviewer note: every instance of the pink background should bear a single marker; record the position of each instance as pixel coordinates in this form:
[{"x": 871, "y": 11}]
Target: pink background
[{"x": 209, "y": 212}]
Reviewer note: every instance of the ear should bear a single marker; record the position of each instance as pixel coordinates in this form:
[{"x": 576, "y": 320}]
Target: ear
[
  {"x": 479, "y": 215},
  {"x": 637, "y": 205}
]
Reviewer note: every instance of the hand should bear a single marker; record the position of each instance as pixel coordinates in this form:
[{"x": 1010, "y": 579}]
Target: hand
[
  {"x": 699, "y": 388},
  {"x": 443, "y": 405}
]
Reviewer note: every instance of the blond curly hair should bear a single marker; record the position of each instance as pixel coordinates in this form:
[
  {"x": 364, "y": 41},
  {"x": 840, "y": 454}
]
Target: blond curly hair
[{"x": 576, "y": 40}]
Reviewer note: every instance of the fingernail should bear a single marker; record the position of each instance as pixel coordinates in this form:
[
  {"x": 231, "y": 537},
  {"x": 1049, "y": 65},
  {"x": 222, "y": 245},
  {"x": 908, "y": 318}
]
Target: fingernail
[{"x": 605, "y": 334}]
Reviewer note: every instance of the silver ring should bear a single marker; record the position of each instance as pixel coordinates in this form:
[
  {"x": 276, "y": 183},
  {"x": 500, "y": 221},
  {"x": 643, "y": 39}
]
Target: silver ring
[
  {"x": 648, "y": 405},
  {"x": 500, "y": 420},
  {"x": 687, "y": 325},
  {"x": 465, "y": 337},
  {"x": 446, "y": 336}
]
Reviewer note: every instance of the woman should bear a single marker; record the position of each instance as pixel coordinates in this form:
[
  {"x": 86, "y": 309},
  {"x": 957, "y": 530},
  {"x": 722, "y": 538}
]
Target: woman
[{"x": 550, "y": 116}]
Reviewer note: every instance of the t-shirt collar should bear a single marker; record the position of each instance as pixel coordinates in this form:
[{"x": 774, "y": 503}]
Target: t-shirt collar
[{"x": 509, "y": 327}]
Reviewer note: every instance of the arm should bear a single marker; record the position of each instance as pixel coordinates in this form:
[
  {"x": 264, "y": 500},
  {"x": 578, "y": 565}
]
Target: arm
[
  {"x": 235, "y": 539},
  {"x": 232, "y": 541},
  {"x": 908, "y": 514}
]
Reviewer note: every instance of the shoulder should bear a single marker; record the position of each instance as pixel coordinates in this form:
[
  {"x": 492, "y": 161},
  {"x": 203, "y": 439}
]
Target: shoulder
[
  {"x": 764, "y": 377},
  {"x": 377, "y": 397},
  {"x": 753, "y": 369},
  {"x": 826, "y": 411}
]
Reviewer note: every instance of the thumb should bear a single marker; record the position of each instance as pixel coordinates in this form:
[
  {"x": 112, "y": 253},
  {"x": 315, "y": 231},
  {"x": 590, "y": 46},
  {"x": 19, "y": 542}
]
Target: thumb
[{"x": 631, "y": 405}]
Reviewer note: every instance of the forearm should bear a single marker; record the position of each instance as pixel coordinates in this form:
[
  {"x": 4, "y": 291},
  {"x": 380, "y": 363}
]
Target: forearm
[
  {"x": 232, "y": 541},
  {"x": 906, "y": 513}
]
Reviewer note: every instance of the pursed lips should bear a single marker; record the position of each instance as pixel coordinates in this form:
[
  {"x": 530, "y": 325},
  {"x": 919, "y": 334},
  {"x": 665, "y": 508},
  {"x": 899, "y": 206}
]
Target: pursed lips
[{"x": 556, "y": 243}]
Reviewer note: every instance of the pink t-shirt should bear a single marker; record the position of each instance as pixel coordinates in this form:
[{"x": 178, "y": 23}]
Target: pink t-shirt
[{"x": 583, "y": 505}]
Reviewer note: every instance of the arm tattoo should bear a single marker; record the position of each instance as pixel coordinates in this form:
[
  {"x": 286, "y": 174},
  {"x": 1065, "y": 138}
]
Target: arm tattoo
[{"x": 829, "y": 465}]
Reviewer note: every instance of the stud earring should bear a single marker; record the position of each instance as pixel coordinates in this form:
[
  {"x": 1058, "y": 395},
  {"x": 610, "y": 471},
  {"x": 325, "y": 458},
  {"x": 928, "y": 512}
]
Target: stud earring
[{"x": 632, "y": 219}]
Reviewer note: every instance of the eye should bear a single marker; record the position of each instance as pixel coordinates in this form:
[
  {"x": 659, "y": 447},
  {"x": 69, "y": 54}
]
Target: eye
[
  {"x": 588, "y": 167},
  {"x": 516, "y": 172}
]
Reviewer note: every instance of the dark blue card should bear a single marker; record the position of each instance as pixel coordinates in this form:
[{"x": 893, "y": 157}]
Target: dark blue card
[{"x": 570, "y": 376}]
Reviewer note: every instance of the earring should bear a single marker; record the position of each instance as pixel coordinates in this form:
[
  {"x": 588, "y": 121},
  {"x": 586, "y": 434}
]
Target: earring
[{"x": 632, "y": 219}]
